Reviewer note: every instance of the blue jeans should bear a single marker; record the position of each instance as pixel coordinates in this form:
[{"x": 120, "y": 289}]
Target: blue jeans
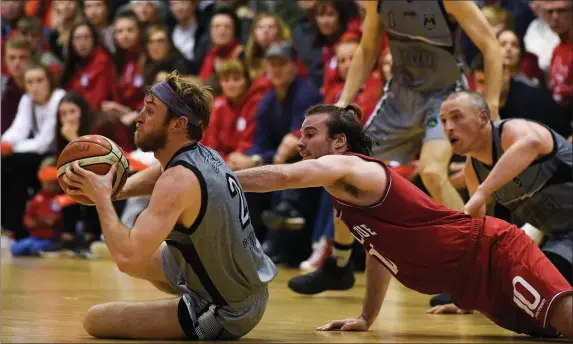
[
  {"x": 324, "y": 223},
  {"x": 30, "y": 246}
]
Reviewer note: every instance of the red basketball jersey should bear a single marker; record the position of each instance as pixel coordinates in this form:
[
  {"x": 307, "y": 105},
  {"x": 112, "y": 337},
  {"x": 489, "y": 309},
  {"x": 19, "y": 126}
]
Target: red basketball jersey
[{"x": 422, "y": 243}]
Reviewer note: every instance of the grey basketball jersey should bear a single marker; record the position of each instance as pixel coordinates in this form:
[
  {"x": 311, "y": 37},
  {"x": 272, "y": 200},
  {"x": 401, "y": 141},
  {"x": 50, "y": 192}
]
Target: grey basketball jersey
[
  {"x": 219, "y": 256},
  {"x": 541, "y": 194},
  {"x": 422, "y": 42}
]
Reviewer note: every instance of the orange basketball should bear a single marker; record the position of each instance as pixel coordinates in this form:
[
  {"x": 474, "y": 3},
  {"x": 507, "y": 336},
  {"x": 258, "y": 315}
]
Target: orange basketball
[{"x": 96, "y": 153}]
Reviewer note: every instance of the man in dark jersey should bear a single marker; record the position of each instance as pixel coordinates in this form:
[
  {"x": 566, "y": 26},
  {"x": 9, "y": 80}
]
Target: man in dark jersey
[
  {"x": 195, "y": 239},
  {"x": 522, "y": 165},
  {"x": 485, "y": 263}
]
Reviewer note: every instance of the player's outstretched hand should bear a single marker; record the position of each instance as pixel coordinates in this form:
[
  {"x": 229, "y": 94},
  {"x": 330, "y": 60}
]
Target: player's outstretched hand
[
  {"x": 354, "y": 324},
  {"x": 447, "y": 309}
]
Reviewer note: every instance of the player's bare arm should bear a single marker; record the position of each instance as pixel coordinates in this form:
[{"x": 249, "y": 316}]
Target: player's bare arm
[
  {"x": 365, "y": 55},
  {"x": 523, "y": 142},
  {"x": 334, "y": 172},
  {"x": 141, "y": 183},
  {"x": 377, "y": 281},
  {"x": 176, "y": 189},
  {"x": 480, "y": 32}
]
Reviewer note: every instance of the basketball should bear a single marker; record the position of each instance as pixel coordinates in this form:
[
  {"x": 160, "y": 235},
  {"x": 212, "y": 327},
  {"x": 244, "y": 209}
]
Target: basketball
[{"x": 97, "y": 154}]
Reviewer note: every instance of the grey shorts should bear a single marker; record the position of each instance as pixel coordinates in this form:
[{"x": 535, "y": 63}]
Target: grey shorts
[
  {"x": 561, "y": 245},
  {"x": 403, "y": 119},
  {"x": 201, "y": 319}
]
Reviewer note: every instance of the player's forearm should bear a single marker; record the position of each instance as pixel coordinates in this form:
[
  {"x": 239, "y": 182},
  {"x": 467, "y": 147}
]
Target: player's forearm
[
  {"x": 264, "y": 179},
  {"x": 361, "y": 67},
  {"x": 116, "y": 235},
  {"x": 514, "y": 161},
  {"x": 141, "y": 183},
  {"x": 493, "y": 77},
  {"x": 377, "y": 281}
]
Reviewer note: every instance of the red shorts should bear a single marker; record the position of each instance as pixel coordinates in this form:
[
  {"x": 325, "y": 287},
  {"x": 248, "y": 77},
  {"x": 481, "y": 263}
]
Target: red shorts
[{"x": 510, "y": 280}]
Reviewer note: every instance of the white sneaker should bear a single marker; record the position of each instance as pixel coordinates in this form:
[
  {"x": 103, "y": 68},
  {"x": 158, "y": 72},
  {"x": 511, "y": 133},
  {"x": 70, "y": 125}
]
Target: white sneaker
[
  {"x": 7, "y": 242},
  {"x": 320, "y": 251}
]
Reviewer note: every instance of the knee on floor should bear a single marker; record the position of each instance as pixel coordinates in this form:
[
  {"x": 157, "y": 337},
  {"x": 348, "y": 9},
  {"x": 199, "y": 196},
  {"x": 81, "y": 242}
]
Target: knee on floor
[{"x": 95, "y": 318}]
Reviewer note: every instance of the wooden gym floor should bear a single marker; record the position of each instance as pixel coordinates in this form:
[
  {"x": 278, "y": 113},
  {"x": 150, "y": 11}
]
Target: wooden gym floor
[{"x": 44, "y": 300}]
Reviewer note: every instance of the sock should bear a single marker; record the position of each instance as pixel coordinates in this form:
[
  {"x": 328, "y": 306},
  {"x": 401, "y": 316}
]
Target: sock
[{"x": 341, "y": 253}]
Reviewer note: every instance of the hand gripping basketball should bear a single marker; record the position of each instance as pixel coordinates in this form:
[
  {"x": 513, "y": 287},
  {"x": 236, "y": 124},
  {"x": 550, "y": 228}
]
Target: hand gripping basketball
[
  {"x": 95, "y": 154},
  {"x": 82, "y": 182}
]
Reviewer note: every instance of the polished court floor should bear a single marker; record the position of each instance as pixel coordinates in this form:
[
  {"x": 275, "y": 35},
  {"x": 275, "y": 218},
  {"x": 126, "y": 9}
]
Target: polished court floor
[{"x": 44, "y": 301}]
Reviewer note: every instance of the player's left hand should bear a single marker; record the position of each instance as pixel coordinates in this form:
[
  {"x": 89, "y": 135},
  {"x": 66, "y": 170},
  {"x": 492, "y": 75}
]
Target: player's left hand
[
  {"x": 86, "y": 183},
  {"x": 353, "y": 324},
  {"x": 476, "y": 205},
  {"x": 447, "y": 309}
]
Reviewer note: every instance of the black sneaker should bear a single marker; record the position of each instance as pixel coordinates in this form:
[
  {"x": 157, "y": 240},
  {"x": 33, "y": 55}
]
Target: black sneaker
[
  {"x": 60, "y": 248},
  {"x": 439, "y": 300},
  {"x": 284, "y": 216},
  {"x": 327, "y": 277}
]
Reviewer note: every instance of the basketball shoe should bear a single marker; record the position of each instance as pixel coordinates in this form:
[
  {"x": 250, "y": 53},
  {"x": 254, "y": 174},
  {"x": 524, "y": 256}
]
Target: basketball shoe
[
  {"x": 320, "y": 252},
  {"x": 328, "y": 277}
]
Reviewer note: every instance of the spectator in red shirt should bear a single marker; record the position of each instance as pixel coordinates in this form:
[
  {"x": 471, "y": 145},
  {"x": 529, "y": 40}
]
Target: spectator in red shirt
[
  {"x": 161, "y": 54},
  {"x": 18, "y": 54},
  {"x": 224, "y": 30},
  {"x": 371, "y": 91},
  {"x": 97, "y": 13},
  {"x": 43, "y": 217},
  {"x": 560, "y": 14},
  {"x": 89, "y": 69},
  {"x": 129, "y": 59},
  {"x": 233, "y": 120}
]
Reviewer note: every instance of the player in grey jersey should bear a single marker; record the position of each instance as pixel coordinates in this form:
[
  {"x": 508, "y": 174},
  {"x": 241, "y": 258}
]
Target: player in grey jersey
[
  {"x": 521, "y": 164},
  {"x": 194, "y": 240}
]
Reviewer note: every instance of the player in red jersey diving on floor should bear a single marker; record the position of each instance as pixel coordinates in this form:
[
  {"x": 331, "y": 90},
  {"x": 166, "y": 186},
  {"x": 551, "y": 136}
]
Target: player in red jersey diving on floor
[{"x": 485, "y": 263}]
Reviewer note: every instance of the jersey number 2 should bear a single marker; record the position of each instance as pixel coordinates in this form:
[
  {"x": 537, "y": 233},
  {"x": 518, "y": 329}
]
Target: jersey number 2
[{"x": 235, "y": 190}]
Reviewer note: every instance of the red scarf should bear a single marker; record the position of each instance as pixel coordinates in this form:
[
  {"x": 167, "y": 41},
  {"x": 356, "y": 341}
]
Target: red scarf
[{"x": 225, "y": 52}]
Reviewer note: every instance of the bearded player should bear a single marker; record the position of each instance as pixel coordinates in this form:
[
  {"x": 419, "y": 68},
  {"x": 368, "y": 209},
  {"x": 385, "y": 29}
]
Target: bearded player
[
  {"x": 195, "y": 238},
  {"x": 485, "y": 263}
]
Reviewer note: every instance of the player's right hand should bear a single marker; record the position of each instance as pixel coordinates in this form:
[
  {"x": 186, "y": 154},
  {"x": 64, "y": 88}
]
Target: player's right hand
[
  {"x": 354, "y": 324},
  {"x": 447, "y": 309},
  {"x": 340, "y": 104}
]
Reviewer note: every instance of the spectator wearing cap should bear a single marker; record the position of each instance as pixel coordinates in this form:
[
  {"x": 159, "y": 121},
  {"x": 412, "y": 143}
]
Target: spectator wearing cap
[
  {"x": 97, "y": 13},
  {"x": 88, "y": 69},
  {"x": 18, "y": 54},
  {"x": 279, "y": 118},
  {"x": 225, "y": 45},
  {"x": 233, "y": 120},
  {"x": 371, "y": 91},
  {"x": 32, "y": 29},
  {"x": 266, "y": 29},
  {"x": 190, "y": 35}
]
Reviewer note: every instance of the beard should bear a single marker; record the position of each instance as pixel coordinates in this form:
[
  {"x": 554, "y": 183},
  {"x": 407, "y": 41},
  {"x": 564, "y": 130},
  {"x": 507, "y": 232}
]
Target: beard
[{"x": 154, "y": 141}]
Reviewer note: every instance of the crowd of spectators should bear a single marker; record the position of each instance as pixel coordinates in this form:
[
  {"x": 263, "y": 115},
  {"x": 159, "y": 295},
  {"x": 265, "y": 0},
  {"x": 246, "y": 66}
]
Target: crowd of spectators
[{"x": 78, "y": 67}]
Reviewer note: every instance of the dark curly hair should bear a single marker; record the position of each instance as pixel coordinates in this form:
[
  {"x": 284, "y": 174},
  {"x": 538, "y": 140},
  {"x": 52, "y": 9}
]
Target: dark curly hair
[{"x": 345, "y": 121}]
